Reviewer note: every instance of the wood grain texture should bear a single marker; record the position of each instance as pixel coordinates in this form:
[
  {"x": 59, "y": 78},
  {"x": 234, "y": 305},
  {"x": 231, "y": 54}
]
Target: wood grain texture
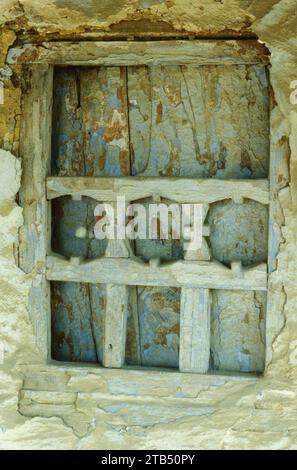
[
  {"x": 116, "y": 311},
  {"x": 239, "y": 232},
  {"x": 77, "y": 322},
  {"x": 72, "y": 318},
  {"x": 195, "y": 330},
  {"x": 204, "y": 122},
  {"x": 159, "y": 326},
  {"x": 194, "y": 351},
  {"x": 115, "y": 325},
  {"x": 118, "y": 53},
  {"x": 159, "y": 124},
  {"x": 238, "y": 330},
  {"x": 90, "y": 138},
  {"x": 209, "y": 275},
  {"x": 181, "y": 190},
  {"x": 35, "y": 150}
]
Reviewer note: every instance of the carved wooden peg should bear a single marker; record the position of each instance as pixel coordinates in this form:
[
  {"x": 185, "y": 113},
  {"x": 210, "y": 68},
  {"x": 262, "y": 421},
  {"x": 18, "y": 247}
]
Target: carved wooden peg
[
  {"x": 156, "y": 198},
  {"x": 205, "y": 231},
  {"x": 76, "y": 260},
  {"x": 237, "y": 198},
  {"x": 76, "y": 197},
  {"x": 81, "y": 232},
  {"x": 155, "y": 262},
  {"x": 203, "y": 253},
  {"x": 118, "y": 249},
  {"x": 237, "y": 269}
]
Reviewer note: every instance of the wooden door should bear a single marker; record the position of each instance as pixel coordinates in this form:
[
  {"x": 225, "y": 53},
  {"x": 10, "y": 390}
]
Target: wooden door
[{"x": 179, "y": 121}]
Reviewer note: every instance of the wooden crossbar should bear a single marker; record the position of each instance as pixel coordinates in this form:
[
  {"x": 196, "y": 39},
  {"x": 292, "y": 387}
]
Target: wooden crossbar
[
  {"x": 181, "y": 190},
  {"x": 126, "y": 271},
  {"x": 120, "y": 53}
]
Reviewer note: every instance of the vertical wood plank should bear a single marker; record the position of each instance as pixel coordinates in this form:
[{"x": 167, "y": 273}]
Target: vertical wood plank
[
  {"x": 115, "y": 325},
  {"x": 184, "y": 121},
  {"x": 153, "y": 155},
  {"x": 103, "y": 95},
  {"x": 195, "y": 306},
  {"x": 91, "y": 139},
  {"x": 194, "y": 330},
  {"x": 209, "y": 121},
  {"x": 73, "y": 319},
  {"x": 106, "y": 129},
  {"x": 106, "y": 145},
  {"x": 238, "y": 330},
  {"x": 35, "y": 150},
  {"x": 116, "y": 311}
]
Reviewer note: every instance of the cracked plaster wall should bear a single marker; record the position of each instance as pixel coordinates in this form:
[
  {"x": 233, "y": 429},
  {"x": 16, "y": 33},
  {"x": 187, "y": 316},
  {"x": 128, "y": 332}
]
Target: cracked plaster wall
[{"x": 95, "y": 413}]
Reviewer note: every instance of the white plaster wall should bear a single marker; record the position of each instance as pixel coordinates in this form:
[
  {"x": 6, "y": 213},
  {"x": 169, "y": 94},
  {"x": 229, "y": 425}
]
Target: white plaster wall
[{"x": 229, "y": 415}]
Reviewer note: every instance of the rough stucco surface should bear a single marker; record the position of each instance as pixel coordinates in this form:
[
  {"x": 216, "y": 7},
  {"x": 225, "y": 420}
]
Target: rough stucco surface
[{"x": 93, "y": 411}]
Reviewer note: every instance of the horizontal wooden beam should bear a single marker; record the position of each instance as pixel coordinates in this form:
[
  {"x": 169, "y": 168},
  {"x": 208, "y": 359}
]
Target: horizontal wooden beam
[
  {"x": 181, "y": 190},
  {"x": 203, "y": 274},
  {"x": 196, "y": 52}
]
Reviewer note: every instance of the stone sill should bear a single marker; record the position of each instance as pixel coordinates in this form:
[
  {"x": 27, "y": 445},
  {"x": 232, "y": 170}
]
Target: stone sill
[{"x": 128, "y": 381}]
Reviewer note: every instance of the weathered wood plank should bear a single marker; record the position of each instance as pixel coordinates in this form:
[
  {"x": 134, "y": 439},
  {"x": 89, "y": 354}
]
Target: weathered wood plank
[
  {"x": 159, "y": 325},
  {"x": 194, "y": 351},
  {"x": 105, "y": 117},
  {"x": 159, "y": 308},
  {"x": 74, "y": 322},
  {"x": 187, "y": 121},
  {"x": 239, "y": 232},
  {"x": 90, "y": 139},
  {"x": 238, "y": 330},
  {"x": 77, "y": 322},
  {"x": 105, "y": 121},
  {"x": 116, "y": 311},
  {"x": 195, "y": 330},
  {"x": 118, "y": 53},
  {"x": 206, "y": 274},
  {"x": 35, "y": 150},
  {"x": 238, "y": 237},
  {"x": 209, "y": 121},
  {"x": 193, "y": 104},
  {"x": 181, "y": 190},
  {"x": 115, "y": 325}
]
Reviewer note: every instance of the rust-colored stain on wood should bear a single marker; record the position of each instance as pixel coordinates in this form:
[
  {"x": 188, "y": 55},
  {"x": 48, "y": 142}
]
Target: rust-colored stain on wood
[{"x": 191, "y": 121}]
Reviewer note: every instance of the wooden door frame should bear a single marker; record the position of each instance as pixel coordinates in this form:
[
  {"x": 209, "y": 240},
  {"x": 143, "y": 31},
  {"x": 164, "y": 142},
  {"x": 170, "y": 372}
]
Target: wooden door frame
[{"x": 38, "y": 62}]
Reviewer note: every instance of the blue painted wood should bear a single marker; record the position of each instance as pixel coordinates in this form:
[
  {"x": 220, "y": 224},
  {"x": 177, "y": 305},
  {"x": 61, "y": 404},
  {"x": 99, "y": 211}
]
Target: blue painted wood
[
  {"x": 209, "y": 121},
  {"x": 159, "y": 322},
  {"x": 90, "y": 138},
  {"x": 205, "y": 121}
]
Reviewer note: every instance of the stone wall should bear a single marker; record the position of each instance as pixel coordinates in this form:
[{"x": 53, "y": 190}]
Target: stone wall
[{"x": 103, "y": 412}]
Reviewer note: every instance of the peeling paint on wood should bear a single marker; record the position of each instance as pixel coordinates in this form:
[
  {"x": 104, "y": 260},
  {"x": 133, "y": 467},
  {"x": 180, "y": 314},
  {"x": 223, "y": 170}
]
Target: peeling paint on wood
[
  {"x": 203, "y": 122},
  {"x": 119, "y": 53},
  {"x": 90, "y": 138},
  {"x": 210, "y": 121},
  {"x": 238, "y": 330}
]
